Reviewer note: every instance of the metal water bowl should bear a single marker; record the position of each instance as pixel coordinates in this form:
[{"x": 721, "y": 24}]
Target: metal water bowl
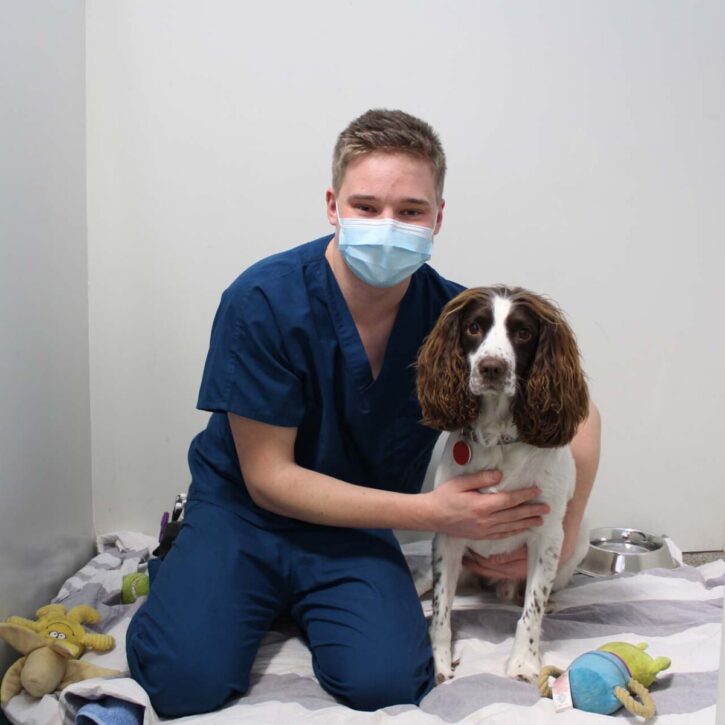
[{"x": 620, "y": 551}]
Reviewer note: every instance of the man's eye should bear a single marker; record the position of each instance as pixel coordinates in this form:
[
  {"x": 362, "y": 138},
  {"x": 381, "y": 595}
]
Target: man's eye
[
  {"x": 411, "y": 212},
  {"x": 365, "y": 208}
]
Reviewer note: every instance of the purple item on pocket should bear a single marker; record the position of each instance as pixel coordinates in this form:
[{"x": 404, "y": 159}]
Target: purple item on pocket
[{"x": 164, "y": 521}]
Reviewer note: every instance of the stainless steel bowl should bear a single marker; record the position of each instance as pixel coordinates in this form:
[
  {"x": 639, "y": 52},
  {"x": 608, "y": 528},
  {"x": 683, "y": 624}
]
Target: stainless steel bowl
[{"x": 618, "y": 551}]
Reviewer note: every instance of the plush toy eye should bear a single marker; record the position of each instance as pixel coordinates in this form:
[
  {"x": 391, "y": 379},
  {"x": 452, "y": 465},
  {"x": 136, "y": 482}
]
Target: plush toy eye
[
  {"x": 54, "y": 635},
  {"x": 61, "y": 635}
]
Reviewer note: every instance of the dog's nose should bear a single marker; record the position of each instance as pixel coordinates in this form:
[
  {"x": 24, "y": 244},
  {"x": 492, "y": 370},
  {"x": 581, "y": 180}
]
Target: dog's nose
[{"x": 492, "y": 369}]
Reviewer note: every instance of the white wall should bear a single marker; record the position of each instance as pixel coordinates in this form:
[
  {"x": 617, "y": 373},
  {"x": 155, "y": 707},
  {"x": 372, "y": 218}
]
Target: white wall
[
  {"x": 45, "y": 452},
  {"x": 586, "y": 161}
]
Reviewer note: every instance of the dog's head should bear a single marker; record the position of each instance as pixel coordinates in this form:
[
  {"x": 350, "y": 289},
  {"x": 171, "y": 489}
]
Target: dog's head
[{"x": 500, "y": 341}]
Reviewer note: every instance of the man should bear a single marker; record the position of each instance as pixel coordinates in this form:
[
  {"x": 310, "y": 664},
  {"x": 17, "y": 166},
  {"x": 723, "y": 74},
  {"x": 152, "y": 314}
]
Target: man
[{"x": 314, "y": 452}]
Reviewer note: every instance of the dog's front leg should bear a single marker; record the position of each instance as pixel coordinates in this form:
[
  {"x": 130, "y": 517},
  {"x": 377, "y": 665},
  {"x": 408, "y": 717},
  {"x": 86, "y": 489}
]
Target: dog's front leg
[
  {"x": 447, "y": 562},
  {"x": 543, "y": 558}
]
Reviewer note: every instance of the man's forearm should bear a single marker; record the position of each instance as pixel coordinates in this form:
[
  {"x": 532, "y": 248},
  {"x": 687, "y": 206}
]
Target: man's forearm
[
  {"x": 585, "y": 448},
  {"x": 303, "y": 494}
]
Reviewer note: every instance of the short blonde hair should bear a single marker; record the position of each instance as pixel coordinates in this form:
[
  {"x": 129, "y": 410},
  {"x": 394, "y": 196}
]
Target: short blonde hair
[{"x": 392, "y": 131}]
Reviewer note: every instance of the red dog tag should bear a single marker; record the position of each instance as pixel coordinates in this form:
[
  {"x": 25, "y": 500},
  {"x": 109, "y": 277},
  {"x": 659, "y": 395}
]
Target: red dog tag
[{"x": 461, "y": 453}]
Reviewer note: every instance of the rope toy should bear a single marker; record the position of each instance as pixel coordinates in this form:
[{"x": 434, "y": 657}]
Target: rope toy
[{"x": 606, "y": 679}]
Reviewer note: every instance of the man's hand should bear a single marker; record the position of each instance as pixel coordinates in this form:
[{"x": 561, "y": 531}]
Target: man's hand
[
  {"x": 462, "y": 511},
  {"x": 499, "y": 566}
]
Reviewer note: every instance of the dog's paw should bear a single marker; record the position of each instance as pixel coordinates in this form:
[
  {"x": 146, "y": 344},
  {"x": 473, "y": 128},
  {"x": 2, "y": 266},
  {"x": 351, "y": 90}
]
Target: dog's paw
[
  {"x": 523, "y": 668},
  {"x": 444, "y": 670},
  {"x": 441, "y": 677}
]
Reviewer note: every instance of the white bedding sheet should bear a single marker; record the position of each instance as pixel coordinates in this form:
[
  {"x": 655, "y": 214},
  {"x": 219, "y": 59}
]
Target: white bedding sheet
[{"x": 678, "y": 612}]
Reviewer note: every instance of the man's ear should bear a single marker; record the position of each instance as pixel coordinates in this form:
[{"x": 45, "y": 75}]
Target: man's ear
[
  {"x": 439, "y": 216},
  {"x": 331, "y": 204}
]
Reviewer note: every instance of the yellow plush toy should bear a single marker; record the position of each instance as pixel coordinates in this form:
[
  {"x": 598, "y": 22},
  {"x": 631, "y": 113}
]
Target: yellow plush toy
[{"x": 52, "y": 645}]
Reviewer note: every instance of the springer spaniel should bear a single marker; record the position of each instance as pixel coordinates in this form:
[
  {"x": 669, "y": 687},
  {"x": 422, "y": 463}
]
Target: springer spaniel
[{"x": 501, "y": 371}]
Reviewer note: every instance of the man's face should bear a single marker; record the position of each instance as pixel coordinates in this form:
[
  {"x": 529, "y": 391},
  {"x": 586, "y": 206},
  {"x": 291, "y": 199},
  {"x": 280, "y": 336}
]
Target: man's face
[{"x": 387, "y": 185}]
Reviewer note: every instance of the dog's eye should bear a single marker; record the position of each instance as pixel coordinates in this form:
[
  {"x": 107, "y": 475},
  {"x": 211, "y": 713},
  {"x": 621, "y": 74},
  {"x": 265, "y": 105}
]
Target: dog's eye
[
  {"x": 473, "y": 328},
  {"x": 523, "y": 334}
]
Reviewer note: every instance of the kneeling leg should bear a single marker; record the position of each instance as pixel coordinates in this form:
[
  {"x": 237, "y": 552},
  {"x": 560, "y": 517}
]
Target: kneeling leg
[{"x": 192, "y": 644}]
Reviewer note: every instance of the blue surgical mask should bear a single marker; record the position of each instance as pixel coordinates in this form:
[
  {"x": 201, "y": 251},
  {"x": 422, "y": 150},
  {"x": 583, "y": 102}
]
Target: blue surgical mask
[{"x": 383, "y": 252}]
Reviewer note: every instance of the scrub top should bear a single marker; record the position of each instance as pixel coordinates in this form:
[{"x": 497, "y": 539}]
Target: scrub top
[{"x": 284, "y": 350}]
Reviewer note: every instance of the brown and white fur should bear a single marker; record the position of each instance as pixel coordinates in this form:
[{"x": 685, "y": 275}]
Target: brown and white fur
[{"x": 501, "y": 371}]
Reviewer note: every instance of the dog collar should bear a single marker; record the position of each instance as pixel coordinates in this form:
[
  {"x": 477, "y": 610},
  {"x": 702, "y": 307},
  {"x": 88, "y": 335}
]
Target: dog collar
[{"x": 462, "y": 451}]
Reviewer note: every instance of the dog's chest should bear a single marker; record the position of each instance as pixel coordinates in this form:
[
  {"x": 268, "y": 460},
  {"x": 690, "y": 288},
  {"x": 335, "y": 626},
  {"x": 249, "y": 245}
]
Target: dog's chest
[
  {"x": 517, "y": 461},
  {"x": 522, "y": 466}
]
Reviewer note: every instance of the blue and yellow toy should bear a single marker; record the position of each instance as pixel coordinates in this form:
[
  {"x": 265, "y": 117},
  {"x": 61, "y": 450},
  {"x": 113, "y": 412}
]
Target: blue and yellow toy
[{"x": 608, "y": 678}]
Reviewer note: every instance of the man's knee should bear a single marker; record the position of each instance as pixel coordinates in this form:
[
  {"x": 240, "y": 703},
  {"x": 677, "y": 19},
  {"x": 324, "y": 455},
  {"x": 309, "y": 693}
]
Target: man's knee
[
  {"x": 179, "y": 681},
  {"x": 370, "y": 684}
]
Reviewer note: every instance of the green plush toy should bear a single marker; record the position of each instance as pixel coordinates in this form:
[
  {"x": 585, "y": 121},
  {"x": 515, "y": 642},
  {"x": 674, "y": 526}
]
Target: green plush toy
[{"x": 606, "y": 679}]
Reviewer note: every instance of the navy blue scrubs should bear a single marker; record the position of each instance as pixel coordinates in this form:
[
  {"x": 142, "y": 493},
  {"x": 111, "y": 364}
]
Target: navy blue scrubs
[{"x": 285, "y": 351}]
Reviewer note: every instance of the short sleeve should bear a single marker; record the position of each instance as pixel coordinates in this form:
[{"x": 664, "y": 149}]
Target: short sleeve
[{"x": 247, "y": 371}]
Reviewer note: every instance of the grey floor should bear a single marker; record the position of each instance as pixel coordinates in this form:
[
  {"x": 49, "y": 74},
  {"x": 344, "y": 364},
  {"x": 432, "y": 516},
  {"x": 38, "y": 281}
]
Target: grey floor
[{"x": 695, "y": 558}]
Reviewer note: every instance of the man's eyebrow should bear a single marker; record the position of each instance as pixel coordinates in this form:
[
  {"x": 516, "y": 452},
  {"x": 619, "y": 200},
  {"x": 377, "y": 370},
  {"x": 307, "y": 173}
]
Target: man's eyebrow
[
  {"x": 413, "y": 200},
  {"x": 372, "y": 197}
]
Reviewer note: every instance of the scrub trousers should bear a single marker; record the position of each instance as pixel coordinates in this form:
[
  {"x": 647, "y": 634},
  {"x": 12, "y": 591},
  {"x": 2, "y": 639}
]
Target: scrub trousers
[{"x": 192, "y": 644}]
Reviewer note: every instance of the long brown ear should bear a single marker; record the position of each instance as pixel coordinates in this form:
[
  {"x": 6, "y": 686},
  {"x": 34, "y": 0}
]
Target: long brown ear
[
  {"x": 554, "y": 399},
  {"x": 443, "y": 372}
]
